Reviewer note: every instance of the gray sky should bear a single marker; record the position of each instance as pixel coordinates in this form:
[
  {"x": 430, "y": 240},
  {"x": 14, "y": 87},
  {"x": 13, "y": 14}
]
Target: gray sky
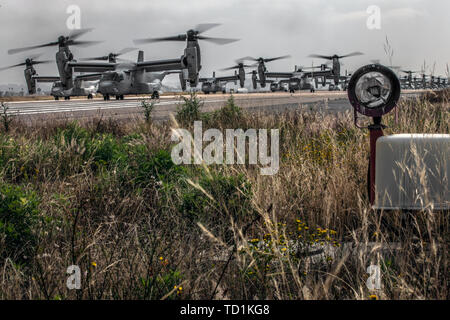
[{"x": 417, "y": 29}]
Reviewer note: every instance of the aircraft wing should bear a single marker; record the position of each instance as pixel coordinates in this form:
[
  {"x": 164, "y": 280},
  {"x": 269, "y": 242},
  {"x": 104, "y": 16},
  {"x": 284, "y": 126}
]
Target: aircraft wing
[
  {"x": 161, "y": 65},
  {"x": 326, "y": 73},
  {"x": 89, "y": 77},
  {"x": 174, "y": 72},
  {"x": 279, "y": 74},
  {"x": 229, "y": 78},
  {"x": 46, "y": 79},
  {"x": 92, "y": 66}
]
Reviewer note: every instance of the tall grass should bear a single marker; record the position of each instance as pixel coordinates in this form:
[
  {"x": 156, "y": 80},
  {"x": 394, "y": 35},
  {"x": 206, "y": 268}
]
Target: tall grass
[{"x": 107, "y": 197}]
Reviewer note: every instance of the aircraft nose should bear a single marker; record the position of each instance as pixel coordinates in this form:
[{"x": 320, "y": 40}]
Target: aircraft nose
[{"x": 107, "y": 87}]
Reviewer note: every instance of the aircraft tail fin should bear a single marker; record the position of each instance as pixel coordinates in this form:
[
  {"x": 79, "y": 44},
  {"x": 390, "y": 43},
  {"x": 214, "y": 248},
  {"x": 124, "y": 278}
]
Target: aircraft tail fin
[{"x": 141, "y": 56}]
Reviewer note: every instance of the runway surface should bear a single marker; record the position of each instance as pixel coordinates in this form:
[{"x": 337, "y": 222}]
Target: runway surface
[{"x": 130, "y": 107}]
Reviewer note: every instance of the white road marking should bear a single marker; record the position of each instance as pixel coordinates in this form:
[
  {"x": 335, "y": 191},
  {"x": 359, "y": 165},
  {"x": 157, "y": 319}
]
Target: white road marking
[{"x": 30, "y": 108}]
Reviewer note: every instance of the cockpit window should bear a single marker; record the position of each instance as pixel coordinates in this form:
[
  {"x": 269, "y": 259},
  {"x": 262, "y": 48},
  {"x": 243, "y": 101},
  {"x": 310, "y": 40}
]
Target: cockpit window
[{"x": 113, "y": 76}]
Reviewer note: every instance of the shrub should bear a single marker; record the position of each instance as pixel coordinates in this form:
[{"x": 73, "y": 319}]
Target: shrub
[
  {"x": 73, "y": 132},
  {"x": 228, "y": 114},
  {"x": 148, "y": 108},
  {"x": 190, "y": 110},
  {"x": 18, "y": 217},
  {"x": 147, "y": 166},
  {"x": 106, "y": 150},
  {"x": 227, "y": 197},
  {"x": 6, "y": 117}
]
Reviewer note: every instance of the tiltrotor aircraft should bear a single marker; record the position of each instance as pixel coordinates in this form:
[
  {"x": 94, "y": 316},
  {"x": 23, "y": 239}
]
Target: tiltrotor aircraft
[
  {"x": 141, "y": 77},
  {"x": 300, "y": 79},
  {"x": 192, "y": 55},
  {"x": 335, "y": 72},
  {"x": 66, "y": 85},
  {"x": 217, "y": 84}
]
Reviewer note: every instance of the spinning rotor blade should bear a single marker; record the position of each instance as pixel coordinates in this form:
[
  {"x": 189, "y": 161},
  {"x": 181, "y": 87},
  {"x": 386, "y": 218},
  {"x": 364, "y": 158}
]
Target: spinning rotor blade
[
  {"x": 277, "y": 58},
  {"x": 41, "y": 62},
  {"x": 335, "y": 56},
  {"x": 247, "y": 59},
  {"x": 14, "y": 66},
  {"x": 258, "y": 60},
  {"x": 50, "y": 44},
  {"x": 70, "y": 41},
  {"x": 95, "y": 58},
  {"x": 78, "y": 33},
  {"x": 201, "y": 28},
  {"x": 219, "y": 41},
  {"x": 230, "y": 68},
  {"x": 321, "y": 56},
  {"x": 24, "y": 64},
  {"x": 181, "y": 37},
  {"x": 236, "y": 67},
  {"x": 83, "y": 43},
  {"x": 114, "y": 55},
  {"x": 353, "y": 54}
]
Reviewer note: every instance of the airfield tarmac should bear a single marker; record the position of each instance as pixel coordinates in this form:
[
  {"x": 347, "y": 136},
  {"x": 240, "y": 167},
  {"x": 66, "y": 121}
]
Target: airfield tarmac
[{"x": 51, "y": 110}]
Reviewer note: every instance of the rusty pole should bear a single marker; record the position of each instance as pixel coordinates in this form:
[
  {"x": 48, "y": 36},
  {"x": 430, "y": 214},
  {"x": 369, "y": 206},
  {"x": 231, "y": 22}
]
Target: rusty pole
[{"x": 376, "y": 131}]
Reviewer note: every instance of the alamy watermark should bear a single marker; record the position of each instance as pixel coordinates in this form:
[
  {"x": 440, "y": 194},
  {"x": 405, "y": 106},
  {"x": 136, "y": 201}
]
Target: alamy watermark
[
  {"x": 190, "y": 149},
  {"x": 374, "y": 19},
  {"x": 74, "y": 280},
  {"x": 374, "y": 280},
  {"x": 73, "y": 22}
]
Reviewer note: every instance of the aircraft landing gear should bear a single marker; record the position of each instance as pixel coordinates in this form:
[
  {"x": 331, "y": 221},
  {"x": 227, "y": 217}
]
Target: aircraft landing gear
[
  {"x": 155, "y": 95},
  {"x": 106, "y": 97},
  {"x": 56, "y": 98},
  {"x": 313, "y": 90},
  {"x": 90, "y": 97},
  {"x": 66, "y": 98}
]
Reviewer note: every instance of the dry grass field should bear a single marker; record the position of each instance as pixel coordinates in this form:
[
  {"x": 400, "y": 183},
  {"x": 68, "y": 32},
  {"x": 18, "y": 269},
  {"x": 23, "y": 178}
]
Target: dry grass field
[{"x": 106, "y": 196}]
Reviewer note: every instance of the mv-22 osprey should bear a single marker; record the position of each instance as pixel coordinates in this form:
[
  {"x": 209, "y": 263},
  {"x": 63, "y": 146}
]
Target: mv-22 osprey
[
  {"x": 30, "y": 72},
  {"x": 218, "y": 84},
  {"x": 144, "y": 77},
  {"x": 65, "y": 85}
]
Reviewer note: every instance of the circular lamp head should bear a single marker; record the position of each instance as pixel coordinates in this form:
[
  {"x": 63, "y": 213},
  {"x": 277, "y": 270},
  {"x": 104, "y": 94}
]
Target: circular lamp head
[{"x": 374, "y": 90}]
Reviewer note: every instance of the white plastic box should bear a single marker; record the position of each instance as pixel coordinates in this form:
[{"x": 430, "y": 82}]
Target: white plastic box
[{"x": 412, "y": 172}]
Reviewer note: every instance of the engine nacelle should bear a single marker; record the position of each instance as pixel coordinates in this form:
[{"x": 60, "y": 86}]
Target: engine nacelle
[
  {"x": 31, "y": 83},
  {"x": 242, "y": 77},
  {"x": 262, "y": 74},
  {"x": 255, "y": 80},
  {"x": 182, "y": 81},
  {"x": 190, "y": 59},
  {"x": 65, "y": 73}
]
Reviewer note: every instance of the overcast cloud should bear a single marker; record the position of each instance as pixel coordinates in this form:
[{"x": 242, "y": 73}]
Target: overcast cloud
[{"x": 417, "y": 29}]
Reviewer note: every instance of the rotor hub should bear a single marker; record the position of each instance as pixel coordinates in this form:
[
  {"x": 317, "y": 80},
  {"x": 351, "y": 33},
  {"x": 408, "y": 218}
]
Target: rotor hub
[{"x": 192, "y": 35}]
